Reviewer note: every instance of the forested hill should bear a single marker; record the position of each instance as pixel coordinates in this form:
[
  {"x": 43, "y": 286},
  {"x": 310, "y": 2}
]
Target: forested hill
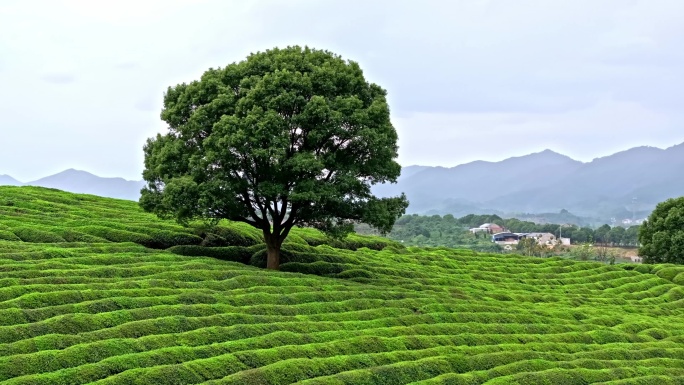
[
  {"x": 447, "y": 230},
  {"x": 547, "y": 182}
]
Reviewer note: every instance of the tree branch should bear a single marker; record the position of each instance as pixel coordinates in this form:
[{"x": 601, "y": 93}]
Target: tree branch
[
  {"x": 249, "y": 222},
  {"x": 282, "y": 211},
  {"x": 249, "y": 204}
]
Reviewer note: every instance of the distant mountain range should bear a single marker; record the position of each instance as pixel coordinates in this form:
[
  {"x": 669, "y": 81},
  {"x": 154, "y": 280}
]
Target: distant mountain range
[
  {"x": 84, "y": 183},
  {"x": 629, "y": 183},
  {"x": 6, "y": 180}
]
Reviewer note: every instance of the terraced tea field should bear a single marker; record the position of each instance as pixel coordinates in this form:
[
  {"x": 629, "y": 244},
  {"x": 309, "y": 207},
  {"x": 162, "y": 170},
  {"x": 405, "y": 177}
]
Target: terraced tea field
[{"x": 88, "y": 294}]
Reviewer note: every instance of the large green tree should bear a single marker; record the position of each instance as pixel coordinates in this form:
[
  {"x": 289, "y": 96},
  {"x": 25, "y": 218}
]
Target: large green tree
[
  {"x": 288, "y": 137},
  {"x": 662, "y": 235}
]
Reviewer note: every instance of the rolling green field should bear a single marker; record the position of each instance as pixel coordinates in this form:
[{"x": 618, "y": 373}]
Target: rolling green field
[{"x": 93, "y": 290}]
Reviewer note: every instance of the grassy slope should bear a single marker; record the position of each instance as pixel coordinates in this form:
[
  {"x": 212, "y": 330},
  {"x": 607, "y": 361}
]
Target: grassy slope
[{"x": 120, "y": 313}]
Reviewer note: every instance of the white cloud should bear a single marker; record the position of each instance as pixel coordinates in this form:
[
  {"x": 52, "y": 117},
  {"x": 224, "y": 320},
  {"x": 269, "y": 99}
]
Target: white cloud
[{"x": 59, "y": 78}]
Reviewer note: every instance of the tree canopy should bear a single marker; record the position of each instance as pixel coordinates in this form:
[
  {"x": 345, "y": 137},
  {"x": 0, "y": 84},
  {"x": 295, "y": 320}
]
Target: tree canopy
[
  {"x": 662, "y": 235},
  {"x": 288, "y": 137}
]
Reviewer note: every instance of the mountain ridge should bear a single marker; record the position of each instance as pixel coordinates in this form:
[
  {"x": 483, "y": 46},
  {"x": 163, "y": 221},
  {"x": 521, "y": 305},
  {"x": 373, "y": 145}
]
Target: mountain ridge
[
  {"x": 544, "y": 181},
  {"x": 6, "y": 180},
  {"x": 547, "y": 181},
  {"x": 83, "y": 182}
]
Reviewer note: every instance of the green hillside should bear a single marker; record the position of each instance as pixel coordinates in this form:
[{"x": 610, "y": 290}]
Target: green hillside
[{"x": 91, "y": 293}]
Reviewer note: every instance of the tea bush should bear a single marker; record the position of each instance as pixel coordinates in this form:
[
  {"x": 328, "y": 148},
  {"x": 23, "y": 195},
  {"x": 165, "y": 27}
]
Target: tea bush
[
  {"x": 98, "y": 304},
  {"x": 37, "y": 235},
  {"x": 8, "y": 236},
  {"x": 229, "y": 253}
]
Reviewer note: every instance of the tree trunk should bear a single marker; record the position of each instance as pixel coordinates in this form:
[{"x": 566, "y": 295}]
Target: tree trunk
[
  {"x": 272, "y": 257},
  {"x": 272, "y": 251}
]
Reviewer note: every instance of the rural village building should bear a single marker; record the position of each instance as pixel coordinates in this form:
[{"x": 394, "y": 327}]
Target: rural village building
[
  {"x": 503, "y": 237},
  {"x": 489, "y": 228},
  {"x": 506, "y": 238},
  {"x": 547, "y": 239}
]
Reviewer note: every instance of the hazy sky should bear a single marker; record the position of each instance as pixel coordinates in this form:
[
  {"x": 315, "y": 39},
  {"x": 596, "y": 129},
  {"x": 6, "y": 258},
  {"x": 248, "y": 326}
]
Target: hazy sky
[{"x": 81, "y": 82}]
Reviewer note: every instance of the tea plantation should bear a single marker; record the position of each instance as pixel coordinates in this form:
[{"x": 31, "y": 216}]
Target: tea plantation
[{"x": 93, "y": 290}]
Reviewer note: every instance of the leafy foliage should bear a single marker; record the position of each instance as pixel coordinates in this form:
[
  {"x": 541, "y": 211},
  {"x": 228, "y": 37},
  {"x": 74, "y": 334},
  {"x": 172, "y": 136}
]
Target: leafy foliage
[
  {"x": 530, "y": 247},
  {"x": 662, "y": 235},
  {"x": 288, "y": 137}
]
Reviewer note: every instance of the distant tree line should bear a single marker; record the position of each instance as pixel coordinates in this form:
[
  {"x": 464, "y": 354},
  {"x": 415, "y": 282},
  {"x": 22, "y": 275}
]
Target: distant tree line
[{"x": 447, "y": 230}]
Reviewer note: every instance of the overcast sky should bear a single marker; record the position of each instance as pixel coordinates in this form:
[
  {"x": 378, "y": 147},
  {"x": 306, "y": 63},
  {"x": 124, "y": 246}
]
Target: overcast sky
[{"x": 81, "y": 82}]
